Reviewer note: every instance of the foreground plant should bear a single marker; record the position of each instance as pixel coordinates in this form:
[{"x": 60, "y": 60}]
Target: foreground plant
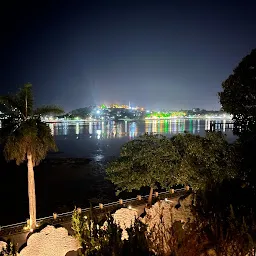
[
  {"x": 96, "y": 239},
  {"x": 8, "y": 250},
  {"x": 26, "y": 137},
  {"x": 104, "y": 238}
]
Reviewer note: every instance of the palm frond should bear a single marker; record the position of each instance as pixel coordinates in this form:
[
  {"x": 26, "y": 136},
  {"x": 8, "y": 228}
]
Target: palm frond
[
  {"x": 49, "y": 109},
  {"x": 25, "y": 100},
  {"x": 31, "y": 136},
  {"x": 22, "y": 131}
]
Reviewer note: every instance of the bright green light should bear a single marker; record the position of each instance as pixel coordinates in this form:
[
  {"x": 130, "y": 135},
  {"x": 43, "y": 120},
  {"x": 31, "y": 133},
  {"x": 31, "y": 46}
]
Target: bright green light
[{"x": 166, "y": 114}]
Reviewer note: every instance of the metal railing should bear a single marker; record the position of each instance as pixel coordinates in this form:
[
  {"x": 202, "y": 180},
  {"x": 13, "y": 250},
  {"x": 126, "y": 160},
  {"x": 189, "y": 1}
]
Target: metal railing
[{"x": 66, "y": 214}]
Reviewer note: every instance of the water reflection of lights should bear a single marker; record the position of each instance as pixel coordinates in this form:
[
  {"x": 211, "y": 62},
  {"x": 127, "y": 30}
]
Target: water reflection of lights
[
  {"x": 132, "y": 130},
  {"x": 224, "y": 125},
  {"x": 154, "y": 126},
  {"x": 174, "y": 126},
  {"x": 190, "y": 129},
  {"x": 125, "y": 127},
  {"x": 167, "y": 126},
  {"x": 52, "y": 128},
  {"x": 182, "y": 126},
  {"x": 98, "y": 132},
  {"x": 148, "y": 126},
  {"x": 170, "y": 127},
  {"x": 207, "y": 125},
  {"x": 90, "y": 128},
  {"x": 77, "y": 130},
  {"x": 98, "y": 157},
  {"x": 65, "y": 129},
  {"x": 114, "y": 130},
  {"x": 194, "y": 126},
  {"x": 111, "y": 129},
  {"x": 119, "y": 130}
]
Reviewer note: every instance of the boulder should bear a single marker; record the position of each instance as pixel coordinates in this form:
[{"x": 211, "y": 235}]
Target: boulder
[
  {"x": 125, "y": 218},
  {"x": 50, "y": 241}
]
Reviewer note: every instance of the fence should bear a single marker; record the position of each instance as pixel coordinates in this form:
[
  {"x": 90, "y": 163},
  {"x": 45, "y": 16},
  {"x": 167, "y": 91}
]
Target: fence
[{"x": 66, "y": 216}]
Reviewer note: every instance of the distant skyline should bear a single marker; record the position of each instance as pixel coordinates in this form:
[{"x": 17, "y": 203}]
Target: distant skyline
[
  {"x": 134, "y": 106},
  {"x": 157, "y": 54}
]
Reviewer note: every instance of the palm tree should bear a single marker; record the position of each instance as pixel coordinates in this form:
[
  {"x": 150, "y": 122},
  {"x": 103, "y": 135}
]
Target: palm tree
[{"x": 25, "y": 137}]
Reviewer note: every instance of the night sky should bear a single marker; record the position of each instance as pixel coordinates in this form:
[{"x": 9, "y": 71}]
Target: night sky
[{"x": 157, "y": 54}]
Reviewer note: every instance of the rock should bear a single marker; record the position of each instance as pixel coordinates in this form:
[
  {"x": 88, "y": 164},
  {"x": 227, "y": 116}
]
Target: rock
[
  {"x": 161, "y": 216},
  {"x": 125, "y": 218},
  {"x": 50, "y": 241}
]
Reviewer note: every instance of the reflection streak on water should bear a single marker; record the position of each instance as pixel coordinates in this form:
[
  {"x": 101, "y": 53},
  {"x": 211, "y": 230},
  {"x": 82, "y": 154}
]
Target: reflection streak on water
[
  {"x": 52, "y": 128},
  {"x": 77, "y": 128}
]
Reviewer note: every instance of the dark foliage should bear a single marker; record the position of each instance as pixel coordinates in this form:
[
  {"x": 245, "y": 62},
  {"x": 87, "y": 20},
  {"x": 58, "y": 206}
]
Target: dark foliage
[
  {"x": 239, "y": 95},
  {"x": 22, "y": 131}
]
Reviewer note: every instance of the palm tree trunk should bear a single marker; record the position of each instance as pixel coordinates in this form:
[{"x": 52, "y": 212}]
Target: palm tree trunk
[
  {"x": 150, "y": 196},
  {"x": 31, "y": 192}
]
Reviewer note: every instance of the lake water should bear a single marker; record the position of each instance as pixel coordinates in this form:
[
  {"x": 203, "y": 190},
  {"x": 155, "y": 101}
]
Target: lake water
[
  {"x": 60, "y": 187},
  {"x": 100, "y": 140}
]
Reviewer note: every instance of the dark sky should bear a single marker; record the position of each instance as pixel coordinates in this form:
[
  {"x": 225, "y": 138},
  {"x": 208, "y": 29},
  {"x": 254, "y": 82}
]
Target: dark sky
[{"x": 156, "y": 54}]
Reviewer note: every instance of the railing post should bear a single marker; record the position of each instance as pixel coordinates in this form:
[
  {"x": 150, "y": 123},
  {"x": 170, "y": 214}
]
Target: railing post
[
  {"x": 139, "y": 197},
  {"x": 55, "y": 215}
]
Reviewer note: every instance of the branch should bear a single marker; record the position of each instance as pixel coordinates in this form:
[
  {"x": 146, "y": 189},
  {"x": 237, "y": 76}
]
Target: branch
[{"x": 11, "y": 104}]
